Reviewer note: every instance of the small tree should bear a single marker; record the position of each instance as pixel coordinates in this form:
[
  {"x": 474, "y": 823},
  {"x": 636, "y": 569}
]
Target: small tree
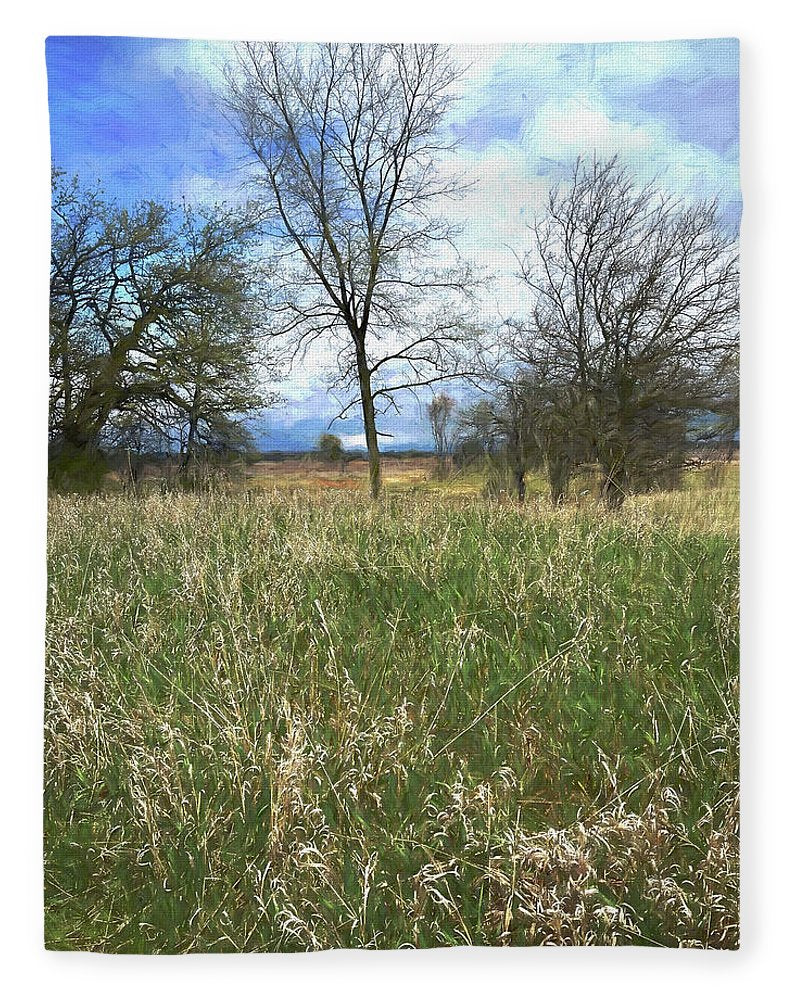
[
  {"x": 331, "y": 449},
  {"x": 527, "y": 425},
  {"x": 440, "y": 412},
  {"x": 214, "y": 366},
  {"x": 130, "y": 436},
  {"x": 477, "y": 431}
]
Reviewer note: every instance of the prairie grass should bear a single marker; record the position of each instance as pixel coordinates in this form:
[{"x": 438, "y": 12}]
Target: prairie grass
[{"x": 286, "y": 722}]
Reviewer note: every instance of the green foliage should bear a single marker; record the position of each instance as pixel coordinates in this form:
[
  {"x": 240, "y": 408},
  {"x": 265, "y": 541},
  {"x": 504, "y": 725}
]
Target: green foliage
[
  {"x": 287, "y": 723},
  {"x": 155, "y": 317},
  {"x": 330, "y": 447},
  {"x": 76, "y": 470}
]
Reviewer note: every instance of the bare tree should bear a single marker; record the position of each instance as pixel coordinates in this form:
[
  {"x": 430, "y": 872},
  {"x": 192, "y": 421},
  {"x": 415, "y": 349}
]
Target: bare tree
[
  {"x": 347, "y": 139},
  {"x": 541, "y": 428},
  {"x": 478, "y": 433},
  {"x": 636, "y": 315},
  {"x": 440, "y": 414}
]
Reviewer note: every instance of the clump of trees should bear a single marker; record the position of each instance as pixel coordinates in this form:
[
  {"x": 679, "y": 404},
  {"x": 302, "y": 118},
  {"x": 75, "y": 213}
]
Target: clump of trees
[
  {"x": 632, "y": 337},
  {"x": 524, "y": 426},
  {"x": 155, "y": 320}
]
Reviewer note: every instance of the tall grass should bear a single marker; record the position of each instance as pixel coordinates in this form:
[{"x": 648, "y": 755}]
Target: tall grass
[{"x": 296, "y": 722}]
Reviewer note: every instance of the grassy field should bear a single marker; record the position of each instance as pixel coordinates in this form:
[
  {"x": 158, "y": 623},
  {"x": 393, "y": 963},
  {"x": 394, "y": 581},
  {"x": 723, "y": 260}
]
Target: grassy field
[{"x": 283, "y": 720}]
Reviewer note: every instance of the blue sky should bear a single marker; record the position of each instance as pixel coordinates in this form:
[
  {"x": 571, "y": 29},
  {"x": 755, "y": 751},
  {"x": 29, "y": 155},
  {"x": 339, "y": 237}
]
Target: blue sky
[{"x": 141, "y": 116}]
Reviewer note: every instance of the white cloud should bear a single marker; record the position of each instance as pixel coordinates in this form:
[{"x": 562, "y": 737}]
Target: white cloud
[
  {"x": 560, "y": 93},
  {"x": 352, "y": 440},
  {"x": 197, "y": 188},
  {"x": 580, "y": 125},
  {"x": 200, "y": 57}
]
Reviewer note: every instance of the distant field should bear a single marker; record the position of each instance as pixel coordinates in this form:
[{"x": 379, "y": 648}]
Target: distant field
[
  {"x": 410, "y": 475},
  {"x": 281, "y": 719},
  {"x": 398, "y": 475}
]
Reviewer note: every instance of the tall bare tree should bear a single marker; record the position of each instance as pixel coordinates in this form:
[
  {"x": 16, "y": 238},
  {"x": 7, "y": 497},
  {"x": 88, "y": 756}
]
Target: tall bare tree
[
  {"x": 636, "y": 314},
  {"x": 347, "y": 140}
]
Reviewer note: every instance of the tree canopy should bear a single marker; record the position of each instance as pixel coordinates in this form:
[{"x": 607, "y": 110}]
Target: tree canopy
[{"x": 155, "y": 311}]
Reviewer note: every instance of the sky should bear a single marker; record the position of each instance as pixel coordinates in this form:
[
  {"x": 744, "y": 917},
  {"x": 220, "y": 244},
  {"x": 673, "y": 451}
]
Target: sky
[{"x": 141, "y": 115}]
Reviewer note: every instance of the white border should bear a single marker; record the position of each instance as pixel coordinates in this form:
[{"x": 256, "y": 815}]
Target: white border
[{"x": 766, "y": 442}]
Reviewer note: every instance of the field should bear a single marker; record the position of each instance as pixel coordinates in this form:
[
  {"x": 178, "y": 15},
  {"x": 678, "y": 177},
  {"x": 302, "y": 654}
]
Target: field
[{"x": 281, "y": 719}]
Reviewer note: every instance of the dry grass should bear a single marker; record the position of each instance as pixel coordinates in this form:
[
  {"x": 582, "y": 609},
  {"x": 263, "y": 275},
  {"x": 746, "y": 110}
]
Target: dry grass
[{"x": 288, "y": 722}]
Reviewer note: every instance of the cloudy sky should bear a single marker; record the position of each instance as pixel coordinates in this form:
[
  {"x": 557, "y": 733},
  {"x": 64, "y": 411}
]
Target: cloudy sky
[{"x": 141, "y": 115}]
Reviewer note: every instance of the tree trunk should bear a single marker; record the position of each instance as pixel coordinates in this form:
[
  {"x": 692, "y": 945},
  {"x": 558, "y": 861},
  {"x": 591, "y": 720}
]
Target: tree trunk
[
  {"x": 558, "y": 474},
  {"x": 76, "y": 462},
  {"x": 85, "y": 427},
  {"x": 614, "y": 483},
  {"x": 132, "y": 469},
  {"x": 189, "y": 451},
  {"x": 369, "y": 421},
  {"x": 66, "y": 368},
  {"x": 519, "y": 482}
]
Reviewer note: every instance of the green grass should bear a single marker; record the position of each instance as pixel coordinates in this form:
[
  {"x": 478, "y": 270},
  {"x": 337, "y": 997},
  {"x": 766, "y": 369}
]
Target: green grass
[{"x": 297, "y": 722}]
